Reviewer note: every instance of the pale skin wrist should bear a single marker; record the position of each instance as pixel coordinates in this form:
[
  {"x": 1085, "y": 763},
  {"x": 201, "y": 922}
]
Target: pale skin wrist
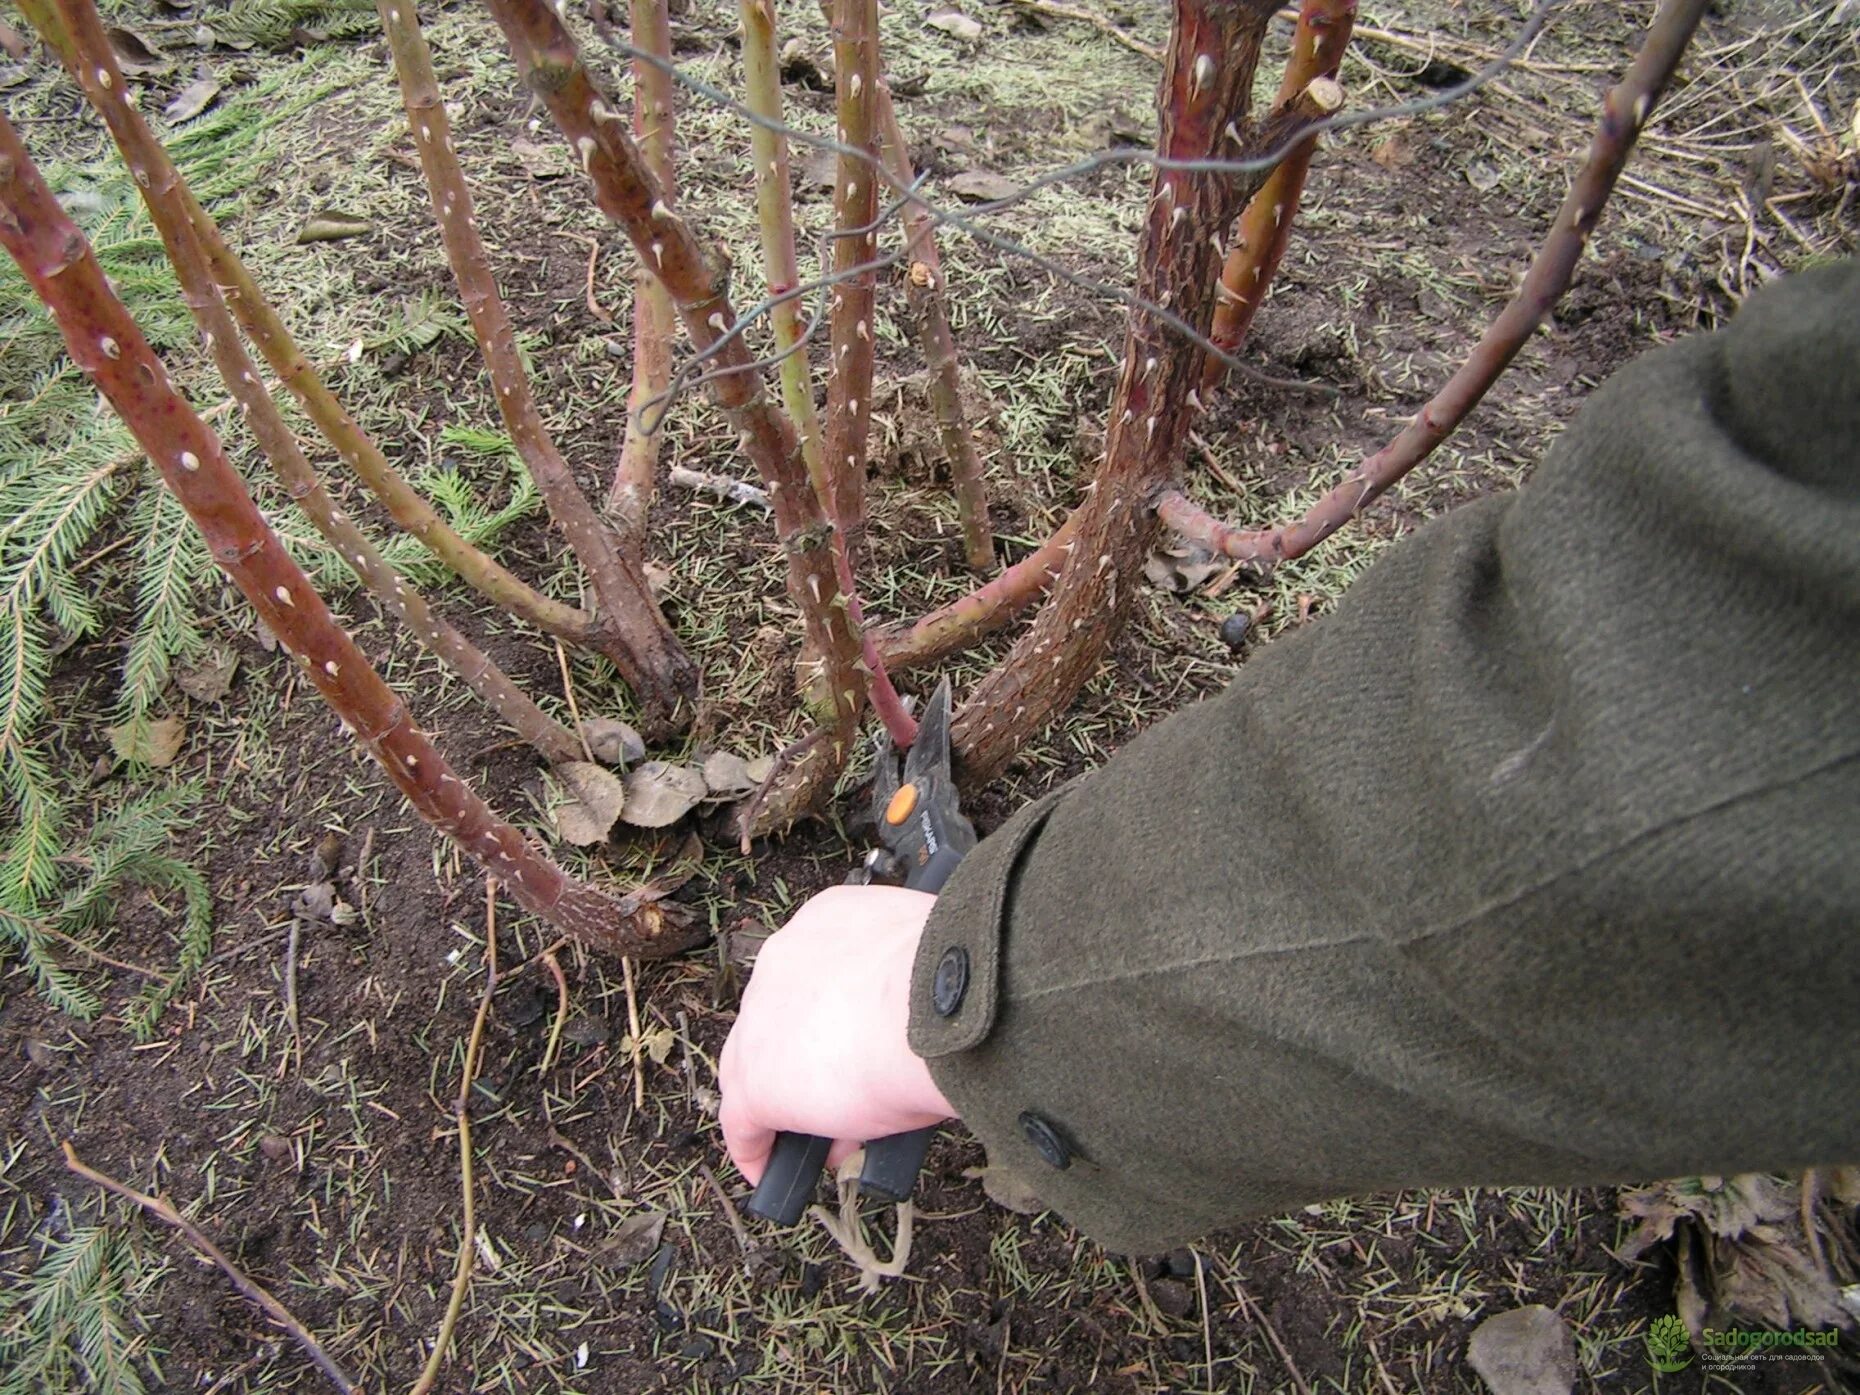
[{"x": 821, "y": 1042}]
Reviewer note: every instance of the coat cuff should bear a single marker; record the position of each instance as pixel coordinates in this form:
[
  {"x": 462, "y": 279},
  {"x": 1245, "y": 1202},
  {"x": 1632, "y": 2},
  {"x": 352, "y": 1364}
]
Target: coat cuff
[{"x": 956, "y": 976}]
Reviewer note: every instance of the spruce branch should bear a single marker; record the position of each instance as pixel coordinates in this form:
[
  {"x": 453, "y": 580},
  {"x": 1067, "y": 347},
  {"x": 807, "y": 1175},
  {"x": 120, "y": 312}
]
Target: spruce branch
[
  {"x": 1265, "y": 226},
  {"x": 627, "y": 618},
  {"x": 105, "y": 343},
  {"x": 655, "y": 320},
  {"x": 1625, "y": 110}
]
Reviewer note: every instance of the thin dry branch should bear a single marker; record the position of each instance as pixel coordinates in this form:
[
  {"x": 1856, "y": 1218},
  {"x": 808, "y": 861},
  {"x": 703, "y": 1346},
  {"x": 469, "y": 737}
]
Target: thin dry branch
[
  {"x": 651, "y": 661},
  {"x": 250, "y": 1290},
  {"x": 158, "y": 181},
  {"x": 461, "y": 1118},
  {"x": 104, "y": 341},
  {"x": 924, "y": 290},
  {"x": 626, "y": 192},
  {"x": 654, "y": 318},
  {"x": 1625, "y": 110},
  {"x": 1265, "y": 227}
]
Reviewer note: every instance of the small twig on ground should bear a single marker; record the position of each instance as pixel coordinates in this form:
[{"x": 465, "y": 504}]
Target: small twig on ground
[
  {"x": 730, "y": 1213},
  {"x": 91, "y": 952},
  {"x": 1255, "y": 1314},
  {"x": 723, "y": 486},
  {"x": 468, "y": 1236},
  {"x": 1098, "y": 22},
  {"x": 632, "y": 1027},
  {"x": 684, "y": 1041},
  {"x": 360, "y": 880},
  {"x": 595, "y": 308},
  {"x": 1207, "y": 1322},
  {"x": 296, "y": 1051},
  {"x": 251, "y": 1291},
  {"x": 574, "y": 712},
  {"x": 561, "y": 1011}
]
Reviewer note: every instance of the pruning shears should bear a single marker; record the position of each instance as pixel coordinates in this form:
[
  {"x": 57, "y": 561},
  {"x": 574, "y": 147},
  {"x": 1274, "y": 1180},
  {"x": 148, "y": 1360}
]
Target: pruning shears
[{"x": 922, "y": 836}]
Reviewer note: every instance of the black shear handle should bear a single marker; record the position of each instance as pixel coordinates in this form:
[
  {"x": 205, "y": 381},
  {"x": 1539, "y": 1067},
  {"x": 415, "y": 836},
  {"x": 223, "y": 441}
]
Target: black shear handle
[{"x": 891, "y": 1164}]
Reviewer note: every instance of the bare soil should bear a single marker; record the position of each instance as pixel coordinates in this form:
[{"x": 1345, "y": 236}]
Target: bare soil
[{"x": 325, "y": 1161}]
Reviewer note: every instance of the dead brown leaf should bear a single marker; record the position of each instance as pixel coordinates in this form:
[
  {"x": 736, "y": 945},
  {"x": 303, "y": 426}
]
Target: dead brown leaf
[
  {"x": 981, "y": 186},
  {"x": 633, "y": 1243},
  {"x": 135, "y": 55},
  {"x": 593, "y": 798},
  {"x": 191, "y": 100},
  {"x": 210, "y": 677},
  {"x": 153, "y": 743},
  {"x": 661, "y": 792},
  {"x": 333, "y": 226},
  {"x": 612, "y": 742}
]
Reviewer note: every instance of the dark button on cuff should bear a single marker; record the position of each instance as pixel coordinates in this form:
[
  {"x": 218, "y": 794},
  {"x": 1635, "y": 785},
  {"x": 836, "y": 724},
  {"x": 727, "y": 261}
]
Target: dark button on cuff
[
  {"x": 1045, "y": 1140},
  {"x": 950, "y": 982}
]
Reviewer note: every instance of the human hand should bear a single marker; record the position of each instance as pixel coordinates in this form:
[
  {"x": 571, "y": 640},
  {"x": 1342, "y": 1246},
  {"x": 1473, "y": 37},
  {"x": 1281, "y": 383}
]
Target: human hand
[{"x": 819, "y": 1045}]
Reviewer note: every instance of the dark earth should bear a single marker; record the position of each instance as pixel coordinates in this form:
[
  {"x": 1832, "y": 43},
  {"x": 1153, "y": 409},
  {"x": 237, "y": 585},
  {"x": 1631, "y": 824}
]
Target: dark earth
[{"x": 332, "y": 1176}]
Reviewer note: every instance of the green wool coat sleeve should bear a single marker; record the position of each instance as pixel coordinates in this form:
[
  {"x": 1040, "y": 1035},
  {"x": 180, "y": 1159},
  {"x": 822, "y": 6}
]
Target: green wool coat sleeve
[{"x": 1537, "y": 862}]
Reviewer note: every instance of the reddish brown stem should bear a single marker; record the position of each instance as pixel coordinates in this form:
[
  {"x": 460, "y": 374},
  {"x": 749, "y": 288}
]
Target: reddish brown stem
[
  {"x": 105, "y": 343},
  {"x": 852, "y": 305},
  {"x": 1624, "y": 112},
  {"x": 925, "y": 293},
  {"x": 654, "y": 318},
  {"x": 1207, "y": 81},
  {"x": 1265, "y": 227},
  {"x": 158, "y": 180},
  {"x": 627, "y": 193},
  {"x": 649, "y": 658},
  {"x": 954, "y": 627}
]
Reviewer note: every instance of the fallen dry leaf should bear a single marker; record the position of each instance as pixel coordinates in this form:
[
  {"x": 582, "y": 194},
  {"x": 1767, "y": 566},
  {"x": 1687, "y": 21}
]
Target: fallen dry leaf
[
  {"x": 539, "y": 160},
  {"x": 135, "y": 55},
  {"x": 155, "y": 743},
  {"x": 1392, "y": 152},
  {"x": 593, "y": 798},
  {"x": 954, "y": 23},
  {"x": 1007, "y": 1190},
  {"x": 612, "y": 742},
  {"x": 633, "y": 1243},
  {"x": 727, "y": 775},
  {"x": 1527, "y": 1351},
  {"x": 980, "y": 186},
  {"x": 1181, "y": 567},
  {"x": 660, "y": 792},
  {"x": 191, "y": 100},
  {"x": 209, "y": 677},
  {"x": 331, "y": 226}
]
